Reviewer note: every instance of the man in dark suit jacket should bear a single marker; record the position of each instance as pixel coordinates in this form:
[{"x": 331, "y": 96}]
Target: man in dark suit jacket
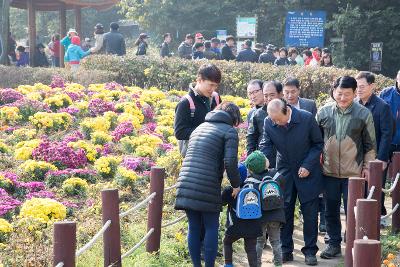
[
  {"x": 383, "y": 121},
  {"x": 291, "y": 92},
  {"x": 247, "y": 54},
  {"x": 298, "y": 141}
]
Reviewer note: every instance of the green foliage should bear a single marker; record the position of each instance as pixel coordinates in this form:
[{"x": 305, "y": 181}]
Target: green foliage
[
  {"x": 174, "y": 73},
  {"x": 361, "y": 26}
]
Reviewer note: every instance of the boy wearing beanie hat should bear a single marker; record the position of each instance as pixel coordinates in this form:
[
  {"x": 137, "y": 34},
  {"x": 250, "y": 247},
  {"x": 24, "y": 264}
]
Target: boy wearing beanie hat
[
  {"x": 75, "y": 53},
  {"x": 257, "y": 165},
  {"x": 237, "y": 228}
]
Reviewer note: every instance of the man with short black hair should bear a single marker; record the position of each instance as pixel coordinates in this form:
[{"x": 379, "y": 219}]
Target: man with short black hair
[
  {"x": 247, "y": 54},
  {"x": 291, "y": 92},
  {"x": 202, "y": 96},
  {"x": 215, "y": 47},
  {"x": 226, "y": 52},
  {"x": 268, "y": 55},
  {"x": 113, "y": 41},
  {"x": 164, "y": 51},
  {"x": 383, "y": 122},
  {"x": 199, "y": 51},
  {"x": 185, "y": 48},
  {"x": 208, "y": 53},
  {"x": 349, "y": 137}
]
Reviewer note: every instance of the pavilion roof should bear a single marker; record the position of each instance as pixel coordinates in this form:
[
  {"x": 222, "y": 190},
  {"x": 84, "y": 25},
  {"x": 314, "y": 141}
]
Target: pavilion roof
[{"x": 54, "y": 5}]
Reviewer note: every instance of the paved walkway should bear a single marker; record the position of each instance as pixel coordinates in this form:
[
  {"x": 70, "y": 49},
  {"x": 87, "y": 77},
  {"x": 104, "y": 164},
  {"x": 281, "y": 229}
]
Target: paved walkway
[{"x": 298, "y": 256}]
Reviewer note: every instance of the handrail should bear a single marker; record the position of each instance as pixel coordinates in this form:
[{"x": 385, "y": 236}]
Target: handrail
[
  {"x": 371, "y": 192},
  {"x": 171, "y": 187},
  {"x": 138, "y": 206},
  {"x": 129, "y": 252},
  {"x": 94, "y": 239},
  {"x": 174, "y": 221},
  {"x": 60, "y": 264},
  {"x": 390, "y": 213},
  {"x": 391, "y": 189}
]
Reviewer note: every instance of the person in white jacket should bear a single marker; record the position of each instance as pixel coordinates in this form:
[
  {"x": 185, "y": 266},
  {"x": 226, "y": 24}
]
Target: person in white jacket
[{"x": 99, "y": 38}]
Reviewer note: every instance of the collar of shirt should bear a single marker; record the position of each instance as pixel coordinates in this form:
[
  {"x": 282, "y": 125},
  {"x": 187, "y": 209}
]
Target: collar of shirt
[
  {"x": 297, "y": 105},
  {"x": 290, "y": 117}
]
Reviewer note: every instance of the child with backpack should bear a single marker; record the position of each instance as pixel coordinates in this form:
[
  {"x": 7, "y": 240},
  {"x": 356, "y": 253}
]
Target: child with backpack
[
  {"x": 272, "y": 203},
  {"x": 237, "y": 228}
]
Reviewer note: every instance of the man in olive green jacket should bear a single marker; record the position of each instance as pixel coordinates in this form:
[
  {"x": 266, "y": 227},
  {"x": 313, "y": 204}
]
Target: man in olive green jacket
[{"x": 349, "y": 144}]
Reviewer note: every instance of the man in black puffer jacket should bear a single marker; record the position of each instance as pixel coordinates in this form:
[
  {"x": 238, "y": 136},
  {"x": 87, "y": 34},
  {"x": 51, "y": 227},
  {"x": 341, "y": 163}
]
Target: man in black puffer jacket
[{"x": 213, "y": 148}]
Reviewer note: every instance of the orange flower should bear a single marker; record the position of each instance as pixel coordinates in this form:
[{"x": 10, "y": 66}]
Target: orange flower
[
  {"x": 390, "y": 256},
  {"x": 386, "y": 262}
]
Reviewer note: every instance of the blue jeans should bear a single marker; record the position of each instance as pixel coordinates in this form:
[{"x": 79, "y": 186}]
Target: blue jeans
[
  {"x": 210, "y": 223},
  {"x": 335, "y": 189}
]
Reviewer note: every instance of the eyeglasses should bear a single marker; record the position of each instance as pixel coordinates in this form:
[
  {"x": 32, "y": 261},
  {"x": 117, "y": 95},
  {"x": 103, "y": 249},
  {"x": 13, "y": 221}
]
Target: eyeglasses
[{"x": 253, "y": 92}]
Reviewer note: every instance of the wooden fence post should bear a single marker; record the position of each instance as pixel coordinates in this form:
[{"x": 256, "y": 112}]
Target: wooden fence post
[
  {"x": 111, "y": 237},
  {"x": 64, "y": 243},
  {"x": 154, "y": 218},
  {"x": 365, "y": 219},
  {"x": 375, "y": 179},
  {"x": 396, "y": 194},
  {"x": 367, "y": 253}
]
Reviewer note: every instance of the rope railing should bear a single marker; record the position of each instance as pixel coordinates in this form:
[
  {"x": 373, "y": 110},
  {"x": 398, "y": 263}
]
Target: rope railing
[
  {"x": 174, "y": 221},
  {"x": 138, "y": 206},
  {"x": 94, "y": 239},
  {"x": 129, "y": 252},
  {"x": 60, "y": 264},
  {"x": 371, "y": 192},
  {"x": 391, "y": 213},
  {"x": 171, "y": 187},
  {"x": 391, "y": 189}
]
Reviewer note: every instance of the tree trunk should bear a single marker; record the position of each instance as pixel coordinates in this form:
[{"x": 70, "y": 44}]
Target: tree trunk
[{"x": 4, "y": 29}]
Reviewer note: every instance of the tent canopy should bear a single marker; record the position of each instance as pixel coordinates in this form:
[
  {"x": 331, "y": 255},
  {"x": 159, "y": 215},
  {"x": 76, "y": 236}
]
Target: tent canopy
[{"x": 55, "y": 5}]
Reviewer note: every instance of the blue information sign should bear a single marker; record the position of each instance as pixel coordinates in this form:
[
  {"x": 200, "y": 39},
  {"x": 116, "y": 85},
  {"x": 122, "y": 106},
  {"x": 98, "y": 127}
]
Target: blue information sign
[{"x": 305, "y": 28}]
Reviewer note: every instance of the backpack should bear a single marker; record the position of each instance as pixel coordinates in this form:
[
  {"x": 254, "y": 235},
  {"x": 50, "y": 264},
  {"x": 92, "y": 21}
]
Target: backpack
[
  {"x": 248, "y": 204},
  {"x": 183, "y": 144},
  {"x": 271, "y": 193}
]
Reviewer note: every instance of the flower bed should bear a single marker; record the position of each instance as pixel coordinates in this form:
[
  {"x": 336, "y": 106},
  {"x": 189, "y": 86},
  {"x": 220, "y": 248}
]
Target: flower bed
[{"x": 56, "y": 162}]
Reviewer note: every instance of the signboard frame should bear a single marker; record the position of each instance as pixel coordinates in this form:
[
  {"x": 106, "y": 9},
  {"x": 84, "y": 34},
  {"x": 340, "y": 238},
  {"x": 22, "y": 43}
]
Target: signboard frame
[{"x": 305, "y": 28}]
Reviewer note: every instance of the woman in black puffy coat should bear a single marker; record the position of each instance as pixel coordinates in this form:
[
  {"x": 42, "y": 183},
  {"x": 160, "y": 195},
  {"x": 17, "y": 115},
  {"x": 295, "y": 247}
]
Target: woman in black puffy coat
[{"x": 213, "y": 148}]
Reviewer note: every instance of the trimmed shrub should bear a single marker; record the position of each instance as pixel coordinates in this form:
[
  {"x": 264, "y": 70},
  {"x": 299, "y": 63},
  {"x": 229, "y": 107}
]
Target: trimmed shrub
[
  {"x": 12, "y": 77},
  {"x": 175, "y": 73}
]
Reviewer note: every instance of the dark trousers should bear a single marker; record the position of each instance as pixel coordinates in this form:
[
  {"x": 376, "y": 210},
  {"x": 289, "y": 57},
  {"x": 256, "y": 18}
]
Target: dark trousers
[
  {"x": 321, "y": 207},
  {"x": 310, "y": 226},
  {"x": 335, "y": 189},
  {"x": 210, "y": 221},
  {"x": 250, "y": 245}
]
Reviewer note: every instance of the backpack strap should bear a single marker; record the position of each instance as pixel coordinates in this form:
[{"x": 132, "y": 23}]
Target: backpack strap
[
  {"x": 252, "y": 180},
  {"x": 277, "y": 174},
  {"x": 215, "y": 95},
  {"x": 191, "y": 105}
]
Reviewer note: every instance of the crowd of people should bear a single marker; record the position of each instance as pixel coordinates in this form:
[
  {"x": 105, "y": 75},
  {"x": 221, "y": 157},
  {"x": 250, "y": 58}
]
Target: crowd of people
[
  {"x": 112, "y": 42},
  {"x": 193, "y": 47},
  {"x": 310, "y": 153}
]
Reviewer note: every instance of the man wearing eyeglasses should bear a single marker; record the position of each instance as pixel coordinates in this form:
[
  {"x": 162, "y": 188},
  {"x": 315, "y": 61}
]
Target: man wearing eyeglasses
[{"x": 255, "y": 95}]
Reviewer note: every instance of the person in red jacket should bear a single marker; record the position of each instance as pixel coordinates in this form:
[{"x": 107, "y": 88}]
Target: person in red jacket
[{"x": 54, "y": 47}]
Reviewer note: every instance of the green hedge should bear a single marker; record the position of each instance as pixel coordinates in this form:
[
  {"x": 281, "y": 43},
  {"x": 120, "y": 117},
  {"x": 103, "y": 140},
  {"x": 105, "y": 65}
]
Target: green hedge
[
  {"x": 175, "y": 73},
  {"x": 11, "y": 77}
]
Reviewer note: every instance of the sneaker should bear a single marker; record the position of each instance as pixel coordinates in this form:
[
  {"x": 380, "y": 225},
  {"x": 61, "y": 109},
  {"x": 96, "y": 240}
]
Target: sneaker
[
  {"x": 331, "y": 252},
  {"x": 385, "y": 223},
  {"x": 311, "y": 260},
  {"x": 286, "y": 257},
  {"x": 326, "y": 238},
  {"x": 322, "y": 228}
]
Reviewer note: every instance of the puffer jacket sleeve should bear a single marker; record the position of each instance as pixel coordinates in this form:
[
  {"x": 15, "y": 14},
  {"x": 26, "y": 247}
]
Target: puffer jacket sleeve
[
  {"x": 369, "y": 140},
  {"x": 231, "y": 157}
]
